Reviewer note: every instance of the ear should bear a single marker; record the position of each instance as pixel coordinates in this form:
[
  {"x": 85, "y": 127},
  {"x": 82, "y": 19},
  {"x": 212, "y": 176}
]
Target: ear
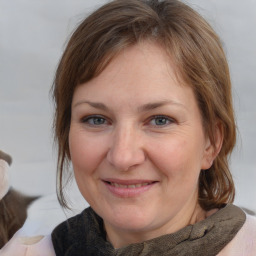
[{"x": 212, "y": 149}]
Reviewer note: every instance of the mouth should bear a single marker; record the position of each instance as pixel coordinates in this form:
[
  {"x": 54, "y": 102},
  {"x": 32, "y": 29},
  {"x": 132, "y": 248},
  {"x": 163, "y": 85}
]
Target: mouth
[
  {"x": 128, "y": 188},
  {"x": 136, "y": 185}
]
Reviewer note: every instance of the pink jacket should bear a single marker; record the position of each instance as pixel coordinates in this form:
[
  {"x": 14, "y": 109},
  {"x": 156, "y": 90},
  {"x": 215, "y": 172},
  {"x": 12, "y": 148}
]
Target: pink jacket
[
  {"x": 244, "y": 243},
  {"x": 28, "y": 246}
]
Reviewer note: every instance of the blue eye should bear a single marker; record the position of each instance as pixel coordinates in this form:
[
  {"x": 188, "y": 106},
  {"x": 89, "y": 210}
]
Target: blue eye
[
  {"x": 95, "y": 120},
  {"x": 160, "y": 121}
]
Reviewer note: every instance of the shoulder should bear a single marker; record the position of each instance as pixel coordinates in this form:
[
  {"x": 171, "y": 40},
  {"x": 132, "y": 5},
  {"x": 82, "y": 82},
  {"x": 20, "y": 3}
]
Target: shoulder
[
  {"x": 244, "y": 243},
  {"x": 67, "y": 234}
]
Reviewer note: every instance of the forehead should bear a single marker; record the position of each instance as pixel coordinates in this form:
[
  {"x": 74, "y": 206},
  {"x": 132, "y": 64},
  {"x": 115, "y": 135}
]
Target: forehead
[
  {"x": 149, "y": 54},
  {"x": 139, "y": 75}
]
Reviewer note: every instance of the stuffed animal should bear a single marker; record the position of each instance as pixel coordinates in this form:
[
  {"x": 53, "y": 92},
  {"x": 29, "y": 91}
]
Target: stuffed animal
[
  {"x": 13, "y": 213},
  {"x": 5, "y": 161},
  {"x": 13, "y": 204}
]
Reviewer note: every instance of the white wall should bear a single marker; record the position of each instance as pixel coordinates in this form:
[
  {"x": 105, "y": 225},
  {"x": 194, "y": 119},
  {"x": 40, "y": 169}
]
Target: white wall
[{"x": 32, "y": 37}]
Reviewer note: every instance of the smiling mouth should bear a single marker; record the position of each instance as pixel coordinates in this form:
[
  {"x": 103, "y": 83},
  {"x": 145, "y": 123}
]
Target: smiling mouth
[
  {"x": 137, "y": 185},
  {"x": 128, "y": 189}
]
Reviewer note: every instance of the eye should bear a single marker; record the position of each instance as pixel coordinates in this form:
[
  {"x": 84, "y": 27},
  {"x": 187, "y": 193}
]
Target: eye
[
  {"x": 160, "y": 121},
  {"x": 95, "y": 120}
]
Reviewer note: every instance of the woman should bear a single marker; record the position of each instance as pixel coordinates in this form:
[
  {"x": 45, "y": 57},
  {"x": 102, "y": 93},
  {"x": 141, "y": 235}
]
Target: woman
[{"x": 144, "y": 114}]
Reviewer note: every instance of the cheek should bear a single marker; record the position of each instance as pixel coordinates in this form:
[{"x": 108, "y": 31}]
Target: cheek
[
  {"x": 177, "y": 157},
  {"x": 86, "y": 152}
]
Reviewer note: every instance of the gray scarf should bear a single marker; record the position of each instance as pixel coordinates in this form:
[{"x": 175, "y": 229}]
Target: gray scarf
[{"x": 85, "y": 235}]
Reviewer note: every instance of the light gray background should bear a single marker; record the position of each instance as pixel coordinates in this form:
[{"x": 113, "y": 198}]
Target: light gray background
[{"x": 32, "y": 37}]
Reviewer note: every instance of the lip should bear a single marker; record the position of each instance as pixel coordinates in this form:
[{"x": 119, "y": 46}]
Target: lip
[{"x": 128, "y": 188}]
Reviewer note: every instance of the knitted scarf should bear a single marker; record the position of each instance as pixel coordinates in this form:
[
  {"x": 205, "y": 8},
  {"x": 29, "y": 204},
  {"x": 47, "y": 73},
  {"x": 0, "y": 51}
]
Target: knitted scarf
[{"x": 84, "y": 235}]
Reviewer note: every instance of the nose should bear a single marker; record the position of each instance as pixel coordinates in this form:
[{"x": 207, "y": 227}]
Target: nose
[{"x": 126, "y": 149}]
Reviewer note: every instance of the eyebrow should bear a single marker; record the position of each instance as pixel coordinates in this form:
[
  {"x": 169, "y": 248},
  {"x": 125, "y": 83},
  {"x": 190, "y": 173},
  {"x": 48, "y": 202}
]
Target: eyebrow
[
  {"x": 143, "y": 108},
  {"x": 93, "y": 104},
  {"x": 154, "y": 105}
]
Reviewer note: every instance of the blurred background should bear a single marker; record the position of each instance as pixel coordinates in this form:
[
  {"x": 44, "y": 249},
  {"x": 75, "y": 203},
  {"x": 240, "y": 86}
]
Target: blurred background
[{"x": 33, "y": 34}]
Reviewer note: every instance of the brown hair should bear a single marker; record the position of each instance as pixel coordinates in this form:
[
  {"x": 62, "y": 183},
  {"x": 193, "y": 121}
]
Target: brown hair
[{"x": 195, "y": 50}]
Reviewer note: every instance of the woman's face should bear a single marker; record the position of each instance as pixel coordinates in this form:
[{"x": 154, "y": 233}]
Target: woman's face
[{"x": 137, "y": 145}]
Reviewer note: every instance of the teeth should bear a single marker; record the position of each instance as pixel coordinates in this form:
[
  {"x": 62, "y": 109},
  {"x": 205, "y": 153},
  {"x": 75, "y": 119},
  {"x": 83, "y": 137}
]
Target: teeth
[
  {"x": 129, "y": 186},
  {"x": 115, "y": 184}
]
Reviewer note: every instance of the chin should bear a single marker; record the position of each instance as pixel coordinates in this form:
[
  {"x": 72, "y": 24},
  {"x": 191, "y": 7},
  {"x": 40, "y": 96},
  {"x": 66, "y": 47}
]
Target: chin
[
  {"x": 132, "y": 226},
  {"x": 129, "y": 218}
]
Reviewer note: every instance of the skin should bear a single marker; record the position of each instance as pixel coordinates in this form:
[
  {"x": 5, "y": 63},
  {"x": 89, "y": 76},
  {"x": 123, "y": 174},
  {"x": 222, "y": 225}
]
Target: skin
[{"x": 116, "y": 137}]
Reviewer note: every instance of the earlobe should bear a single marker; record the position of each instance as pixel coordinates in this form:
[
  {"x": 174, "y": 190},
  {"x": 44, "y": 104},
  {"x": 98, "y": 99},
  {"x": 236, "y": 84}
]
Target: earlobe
[{"x": 213, "y": 148}]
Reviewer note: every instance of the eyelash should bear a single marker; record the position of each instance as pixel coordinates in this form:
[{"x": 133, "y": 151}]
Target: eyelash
[{"x": 87, "y": 120}]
